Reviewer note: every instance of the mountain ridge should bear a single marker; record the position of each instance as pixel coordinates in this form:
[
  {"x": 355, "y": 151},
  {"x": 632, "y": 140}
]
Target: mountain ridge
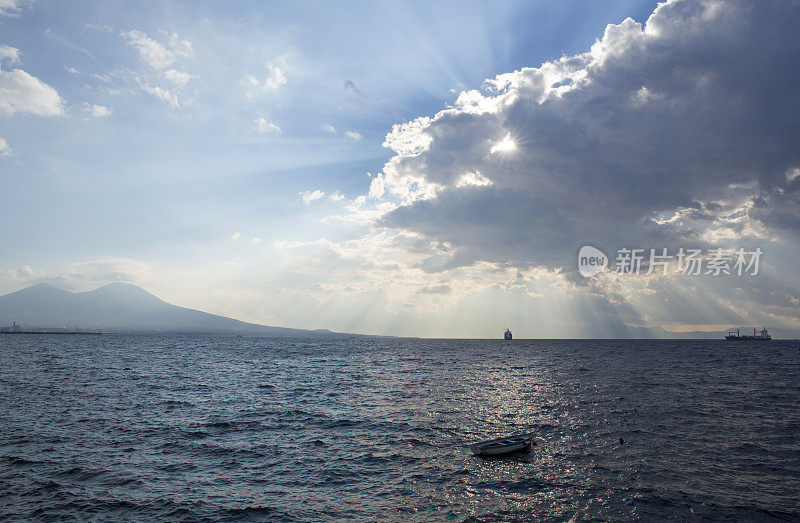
[{"x": 124, "y": 308}]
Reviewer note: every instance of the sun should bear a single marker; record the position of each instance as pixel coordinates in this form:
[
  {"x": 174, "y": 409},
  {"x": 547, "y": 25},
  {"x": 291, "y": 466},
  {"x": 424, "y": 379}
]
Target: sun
[{"x": 504, "y": 146}]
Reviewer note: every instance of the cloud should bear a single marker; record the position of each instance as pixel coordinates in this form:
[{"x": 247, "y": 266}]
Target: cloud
[
  {"x": 22, "y": 93},
  {"x": 409, "y": 139},
  {"x": 163, "y": 94},
  {"x": 353, "y": 135},
  {"x": 162, "y": 80},
  {"x": 5, "y": 150},
  {"x": 9, "y": 54},
  {"x": 308, "y": 197},
  {"x": 159, "y": 55},
  {"x": 379, "y": 273},
  {"x": 678, "y": 132},
  {"x": 10, "y": 8},
  {"x": 265, "y": 127},
  {"x": 270, "y": 82},
  {"x": 26, "y": 274},
  {"x": 473, "y": 178},
  {"x": 690, "y": 116},
  {"x": 85, "y": 275},
  {"x": 435, "y": 289},
  {"x": 178, "y": 77},
  {"x": 98, "y": 111},
  {"x": 351, "y": 87},
  {"x": 236, "y": 236},
  {"x": 311, "y": 196},
  {"x": 503, "y": 146}
]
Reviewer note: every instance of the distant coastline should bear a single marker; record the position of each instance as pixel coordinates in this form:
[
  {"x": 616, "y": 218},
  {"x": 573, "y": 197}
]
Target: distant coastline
[{"x": 55, "y": 330}]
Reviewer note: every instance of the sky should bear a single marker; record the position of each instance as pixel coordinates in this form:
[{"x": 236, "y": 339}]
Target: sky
[{"x": 409, "y": 168}]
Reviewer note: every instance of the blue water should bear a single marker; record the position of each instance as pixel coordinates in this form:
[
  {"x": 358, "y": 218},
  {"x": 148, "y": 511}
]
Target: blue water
[{"x": 157, "y": 427}]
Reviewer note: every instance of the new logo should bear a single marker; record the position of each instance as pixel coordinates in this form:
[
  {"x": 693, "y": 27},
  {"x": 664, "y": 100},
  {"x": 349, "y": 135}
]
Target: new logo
[{"x": 591, "y": 261}]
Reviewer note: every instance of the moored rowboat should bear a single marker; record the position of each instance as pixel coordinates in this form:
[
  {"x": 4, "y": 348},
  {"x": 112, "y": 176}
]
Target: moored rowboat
[{"x": 505, "y": 445}]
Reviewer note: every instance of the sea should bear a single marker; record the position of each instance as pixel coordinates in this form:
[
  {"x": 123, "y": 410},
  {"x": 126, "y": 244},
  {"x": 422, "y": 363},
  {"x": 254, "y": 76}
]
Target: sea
[{"x": 202, "y": 428}]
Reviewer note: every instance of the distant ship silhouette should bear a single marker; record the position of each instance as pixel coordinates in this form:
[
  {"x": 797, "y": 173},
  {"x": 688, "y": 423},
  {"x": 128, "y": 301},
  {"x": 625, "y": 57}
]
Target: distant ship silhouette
[
  {"x": 507, "y": 334},
  {"x": 764, "y": 336}
]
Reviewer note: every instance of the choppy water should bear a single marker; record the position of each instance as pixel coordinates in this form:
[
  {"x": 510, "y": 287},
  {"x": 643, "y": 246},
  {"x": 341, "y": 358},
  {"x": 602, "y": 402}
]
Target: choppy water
[{"x": 227, "y": 428}]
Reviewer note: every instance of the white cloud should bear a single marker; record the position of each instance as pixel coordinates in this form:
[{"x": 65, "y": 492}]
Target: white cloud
[
  {"x": 275, "y": 77},
  {"x": 409, "y": 139},
  {"x": 26, "y": 274},
  {"x": 179, "y": 78},
  {"x": 328, "y": 127},
  {"x": 92, "y": 274},
  {"x": 311, "y": 196},
  {"x": 236, "y": 236},
  {"x": 475, "y": 103},
  {"x": 163, "y": 94},
  {"x": 265, "y": 127},
  {"x": 644, "y": 96},
  {"x": 271, "y": 81},
  {"x": 162, "y": 79},
  {"x": 377, "y": 187},
  {"x": 10, "y": 8},
  {"x": 22, "y": 93},
  {"x": 354, "y": 135},
  {"x": 159, "y": 55},
  {"x": 98, "y": 111},
  {"x": 8, "y": 53},
  {"x": 5, "y": 150},
  {"x": 475, "y": 179}
]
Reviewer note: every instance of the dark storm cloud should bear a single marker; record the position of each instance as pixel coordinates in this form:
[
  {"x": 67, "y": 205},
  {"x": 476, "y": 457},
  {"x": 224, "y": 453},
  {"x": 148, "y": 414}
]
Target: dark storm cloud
[{"x": 684, "y": 129}]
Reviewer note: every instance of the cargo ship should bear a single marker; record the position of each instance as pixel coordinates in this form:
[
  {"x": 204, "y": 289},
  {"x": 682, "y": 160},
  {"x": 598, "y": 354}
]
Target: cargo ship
[{"x": 733, "y": 335}]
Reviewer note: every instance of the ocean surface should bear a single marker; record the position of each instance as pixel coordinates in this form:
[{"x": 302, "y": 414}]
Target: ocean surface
[{"x": 213, "y": 428}]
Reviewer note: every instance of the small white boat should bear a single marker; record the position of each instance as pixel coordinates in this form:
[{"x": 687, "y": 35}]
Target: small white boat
[{"x": 508, "y": 444}]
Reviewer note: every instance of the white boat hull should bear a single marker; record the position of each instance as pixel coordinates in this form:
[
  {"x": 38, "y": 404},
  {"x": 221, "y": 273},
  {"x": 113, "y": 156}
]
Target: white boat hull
[{"x": 500, "y": 446}]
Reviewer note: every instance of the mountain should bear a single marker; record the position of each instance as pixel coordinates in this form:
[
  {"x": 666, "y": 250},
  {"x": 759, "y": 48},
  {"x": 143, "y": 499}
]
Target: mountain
[{"x": 122, "y": 307}]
